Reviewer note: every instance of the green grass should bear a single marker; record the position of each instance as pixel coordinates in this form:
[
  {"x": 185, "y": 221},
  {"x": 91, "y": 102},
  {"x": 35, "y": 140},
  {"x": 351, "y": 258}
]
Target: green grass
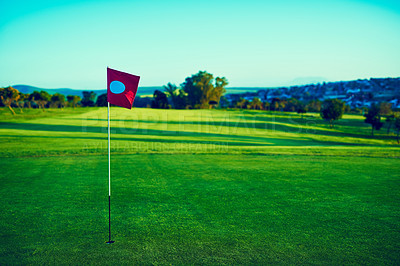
[
  {"x": 191, "y": 131},
  {"x": 25, "y": 113},
  {"x": 197, "y": 187}
]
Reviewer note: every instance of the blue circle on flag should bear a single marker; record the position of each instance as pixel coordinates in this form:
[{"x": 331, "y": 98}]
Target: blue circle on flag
[{"x": 117, "y": 87}]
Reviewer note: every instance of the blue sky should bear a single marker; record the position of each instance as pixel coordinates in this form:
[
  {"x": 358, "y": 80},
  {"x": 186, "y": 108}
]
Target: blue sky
[{"x": 69, "y": 44}]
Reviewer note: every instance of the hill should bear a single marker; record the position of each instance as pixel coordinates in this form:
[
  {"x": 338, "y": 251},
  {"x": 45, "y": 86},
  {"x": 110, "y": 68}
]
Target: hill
[
  {"x": 356, "y": 93},
  {"x": 66, "y": 91},
  {"x": 30, "y": 89}
]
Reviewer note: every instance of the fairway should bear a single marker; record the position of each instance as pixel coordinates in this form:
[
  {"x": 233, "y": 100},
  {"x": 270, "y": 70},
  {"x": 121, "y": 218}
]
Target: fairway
[{"x": 197, "y": 187}]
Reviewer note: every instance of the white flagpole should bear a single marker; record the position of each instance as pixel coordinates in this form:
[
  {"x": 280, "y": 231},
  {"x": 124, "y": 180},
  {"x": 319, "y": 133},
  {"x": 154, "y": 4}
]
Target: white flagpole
[
  {"x": 109, "y": 149},
  {"x": 109, "y": 178}
]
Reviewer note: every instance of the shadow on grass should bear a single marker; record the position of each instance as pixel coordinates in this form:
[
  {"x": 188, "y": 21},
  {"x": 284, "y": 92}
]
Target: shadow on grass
[
  {"x": 212, "y": 142},
  {"x": 199, "y": 137},
  {"x": 287, "y": 124}
]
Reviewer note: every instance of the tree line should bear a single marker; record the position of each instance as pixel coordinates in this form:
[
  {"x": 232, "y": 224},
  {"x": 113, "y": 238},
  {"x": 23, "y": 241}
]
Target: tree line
[
  {"x": 12, "y": 98},
  {"x": 333, "y": 109}
]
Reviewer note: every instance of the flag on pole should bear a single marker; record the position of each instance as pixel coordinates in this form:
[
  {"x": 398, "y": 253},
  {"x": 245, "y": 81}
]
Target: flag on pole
[
  {"x": 121, "y": 91},
  {"x": 121, "y": 88}
]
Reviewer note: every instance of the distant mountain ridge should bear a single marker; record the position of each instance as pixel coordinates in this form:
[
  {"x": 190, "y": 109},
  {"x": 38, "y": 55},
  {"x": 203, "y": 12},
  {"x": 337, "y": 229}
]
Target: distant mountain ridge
[
  {"x": 66, "y": 91},
  {"x": 30, "y": 89}
]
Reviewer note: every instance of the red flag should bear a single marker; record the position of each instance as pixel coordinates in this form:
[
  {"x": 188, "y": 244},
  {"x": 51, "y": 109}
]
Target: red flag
[{"x": 121, "y": 88}]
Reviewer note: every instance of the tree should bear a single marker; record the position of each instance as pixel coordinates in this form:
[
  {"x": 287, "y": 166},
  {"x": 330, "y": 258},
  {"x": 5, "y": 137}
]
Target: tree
[
  {"x": 275, "y": 104},
  {"x": 181, "y": 99},
  {"x": 21, "y": 101},
  {"x": 347, "y": 108},
  {"x": 256, "y": 104},
  {"x": 170, "y": 89},
  {"x": 292, "y": 105},
  {"x": 374, "y": 118},
  {"x": 40, "y": 98},
  {"x": 102, "y": 100},
  {"x": 282, "y": 105},
  {"x": 278, "y": 104},
  {"x": 203, "y": 88},
  {"x": 88, "y": 99},
  {"x": 385, "y": 109},
  {"x": 178, "y": 96},
  {"x": 73, "y": 100},
  {"x": 57, "y": 100},
  {"x": 397, "y": 126},
  {"x": 141, "y": 101},
  {"x": 219, "y": 89},
  {"x": 314, "y": 106},
  {"x": 301, "y": 109},
  {"x": 266, "y": 105},
  {"x": 390, "y": 120},
  {"x": 8, "y": 95},
  {"x": 332, "y": 110},
  {"x": 242, "y": 104},
  {"x": 160, "y": 100}
]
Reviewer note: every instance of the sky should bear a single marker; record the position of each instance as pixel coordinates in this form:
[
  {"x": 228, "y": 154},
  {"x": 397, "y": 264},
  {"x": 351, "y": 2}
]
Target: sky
[{"x": 253, "y": 43}]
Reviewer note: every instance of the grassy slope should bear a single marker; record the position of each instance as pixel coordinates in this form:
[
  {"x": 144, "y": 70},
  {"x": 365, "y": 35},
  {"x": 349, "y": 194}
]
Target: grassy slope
[
  {"x": 198, "y": 187},
  {"x": 191, "y": 131}
]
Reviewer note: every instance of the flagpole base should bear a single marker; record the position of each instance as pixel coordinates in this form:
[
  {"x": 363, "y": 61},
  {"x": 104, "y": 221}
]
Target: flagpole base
[{"x": 110, "y": 242}]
